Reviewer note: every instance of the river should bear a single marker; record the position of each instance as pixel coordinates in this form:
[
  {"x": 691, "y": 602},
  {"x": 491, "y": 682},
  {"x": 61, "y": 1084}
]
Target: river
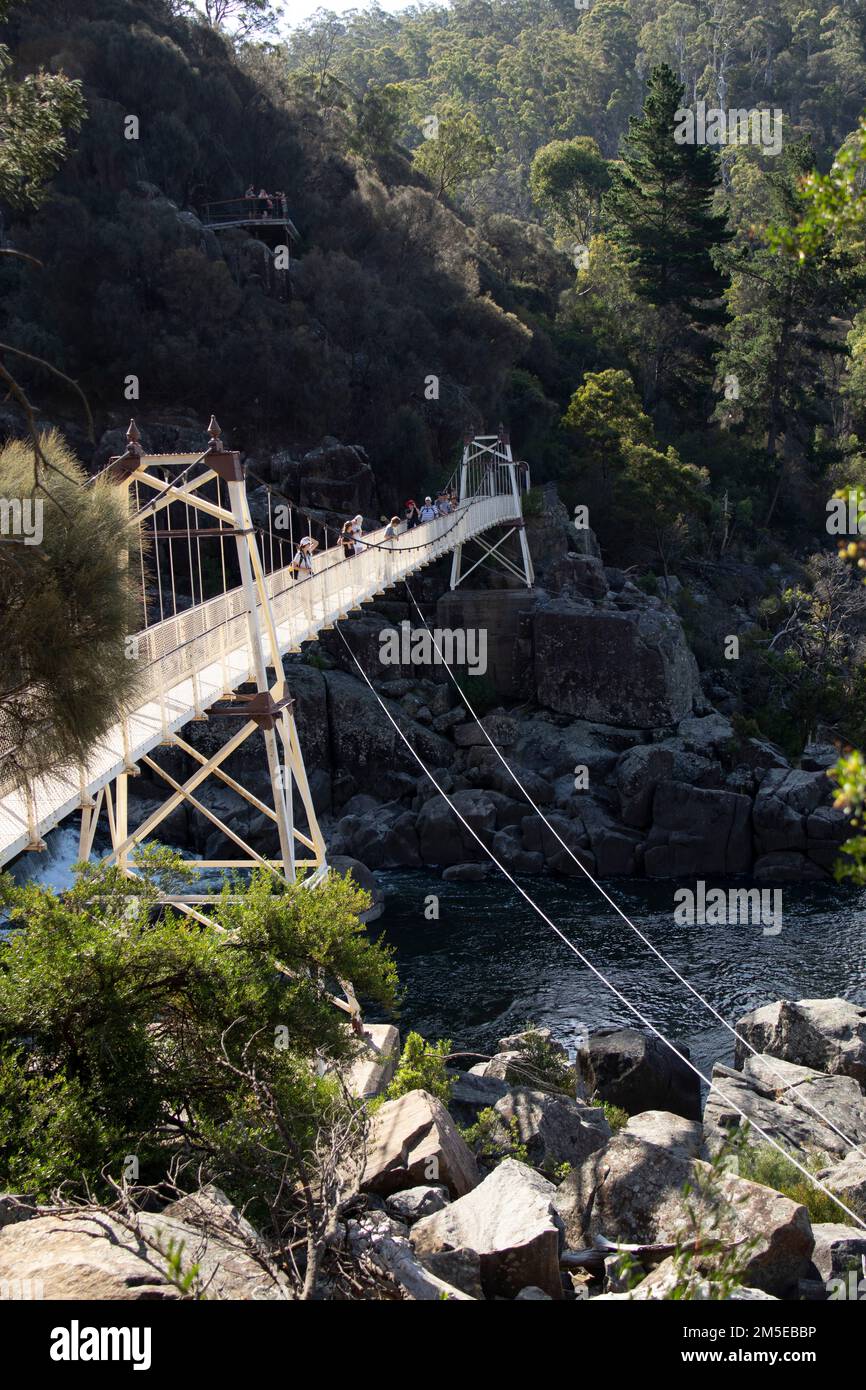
[{"x": 489, "y": 964}]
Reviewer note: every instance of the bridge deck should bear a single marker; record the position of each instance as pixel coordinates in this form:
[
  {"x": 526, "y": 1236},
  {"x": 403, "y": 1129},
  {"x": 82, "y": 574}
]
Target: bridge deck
[{"x": 193, "y": 659}]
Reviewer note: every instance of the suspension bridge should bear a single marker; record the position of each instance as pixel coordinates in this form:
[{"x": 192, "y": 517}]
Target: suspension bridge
[{"x": 223, "y": 602}]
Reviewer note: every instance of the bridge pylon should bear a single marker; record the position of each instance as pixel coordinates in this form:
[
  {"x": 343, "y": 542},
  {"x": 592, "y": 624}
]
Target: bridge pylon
[
  {"x": 210, "y": 485},
  {"x": 486, "y": 470}
]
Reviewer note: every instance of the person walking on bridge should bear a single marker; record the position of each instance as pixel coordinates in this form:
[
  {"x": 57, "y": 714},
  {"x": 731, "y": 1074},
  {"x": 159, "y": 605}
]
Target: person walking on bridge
[
  {"x": 410, "y": 511},
  {"x": 392, "y": 530},
  {"x": 347, "y": 540},
  {"x": 357, "y": 523},
  {"x": 428, "y": 511},
  {"x": 303, "y": 561}
]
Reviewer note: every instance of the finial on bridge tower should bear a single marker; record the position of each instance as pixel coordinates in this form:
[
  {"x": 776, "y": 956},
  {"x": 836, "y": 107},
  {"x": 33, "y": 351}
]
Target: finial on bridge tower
[
  {"x": 133, "y": 439},
  {"x": 216, "y": 445}
]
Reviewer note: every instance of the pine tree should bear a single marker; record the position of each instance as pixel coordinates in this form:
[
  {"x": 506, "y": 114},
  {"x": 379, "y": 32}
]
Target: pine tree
[{"x": 659, "y": 208}]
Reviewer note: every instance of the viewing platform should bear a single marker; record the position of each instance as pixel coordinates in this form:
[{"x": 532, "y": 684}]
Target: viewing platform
[{"x": 257, "y": 214}]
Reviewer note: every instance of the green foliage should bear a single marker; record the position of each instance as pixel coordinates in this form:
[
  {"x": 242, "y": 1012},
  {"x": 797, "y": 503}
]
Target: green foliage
[
  {"x": 492, "y": 1140},
  {"x": 763, "y": 1164},
  {"x": 542, "y": 1066},
  {"x": 125, "y": 1032},
  {"x": 660, "y": 208},
  {"x": 567, "y": 179},
  {"x": 422, "y": 1066},
  {"x": 616, "y": 1117},
  {"x": 67, "y": 606},
  {"x": 639, "y": 493},
  {"x": 36, "y": 116},
  {"x": 457, "y": 152}
]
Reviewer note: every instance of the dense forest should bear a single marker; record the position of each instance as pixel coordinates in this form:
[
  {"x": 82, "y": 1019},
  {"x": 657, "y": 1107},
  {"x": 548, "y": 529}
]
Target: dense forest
[{"x": 496, "y": 220}]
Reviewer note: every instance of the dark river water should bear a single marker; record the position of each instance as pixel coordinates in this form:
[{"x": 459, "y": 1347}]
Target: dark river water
[{"x": 489, "y": 964}]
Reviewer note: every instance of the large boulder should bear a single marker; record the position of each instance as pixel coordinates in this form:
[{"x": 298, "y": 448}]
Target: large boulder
[
  {"x": 826, "y": 1034},
  {"x": 444, "y": 840},
  {"x": 697, "y": 830},
  {"x": 668, "y": 1131},
  {"x": 634, "y": 1192},
  {"x": 333, "y": 476},
  {"x": 509, "y": 1219},
  {"x": 413, "y": 1140},
  {"x": 786, "y": 1102},
  {"x": 554, "y": 1129},
  {"x": 630, "y": 1190},
  {"x": 581, "y": 652},
  {"x": 785, "y": 800},
  {"x": 838, "y": 1250},
  {"x": 93, "y": 1255},
  {"x": 636, "y": 1071},
  {"x": 848, "y": 1180},
  {"x": 667, "y": 1281},
  {"x": 470, "y": 1094}
]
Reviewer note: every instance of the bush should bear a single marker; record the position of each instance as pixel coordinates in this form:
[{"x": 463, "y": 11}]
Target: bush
[
  {"x": 126, "y": 1031},
  {"x": 422, "y": 1067}
]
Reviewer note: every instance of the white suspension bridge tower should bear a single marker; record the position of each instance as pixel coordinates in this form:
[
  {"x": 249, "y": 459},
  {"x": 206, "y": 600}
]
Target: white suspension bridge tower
[{"x": 203, "y": 654}]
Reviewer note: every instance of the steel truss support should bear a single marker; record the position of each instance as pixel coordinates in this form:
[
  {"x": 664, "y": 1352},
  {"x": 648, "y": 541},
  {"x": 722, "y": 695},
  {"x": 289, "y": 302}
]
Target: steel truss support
[
  {"x": 488, "y": 468},
  {"x": 269, "y": 711}
]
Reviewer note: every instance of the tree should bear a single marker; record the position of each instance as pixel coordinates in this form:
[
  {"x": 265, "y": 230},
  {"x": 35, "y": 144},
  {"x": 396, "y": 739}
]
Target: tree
[
  {"x": 457, "y": 151},
  {"x": 632, "y": 487},
  {"x": 567, "y": 179},
  {"x": 125, "y": 1029},
  {"x": 37, "y": 115},
  {"x": 244, "y": 19},
  {"x": 783, "y": 332},
  {"x": 659, "y": 210},
  {"x": 67, "y": 606}
]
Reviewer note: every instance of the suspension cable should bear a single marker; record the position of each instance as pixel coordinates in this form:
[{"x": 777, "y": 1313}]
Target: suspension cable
[
  {"x": 608, "y": 984},
  {"x": 629, "y": 923}
]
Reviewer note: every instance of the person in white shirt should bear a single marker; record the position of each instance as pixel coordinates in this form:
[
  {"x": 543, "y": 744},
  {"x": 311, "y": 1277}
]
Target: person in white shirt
[
  {"x": 303, "y": 561},
  {"x": 357, "y": 523},
  {"x": 428, "y": 511}
]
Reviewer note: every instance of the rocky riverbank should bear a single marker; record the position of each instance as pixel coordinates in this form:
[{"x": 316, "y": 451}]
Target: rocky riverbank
[{"x": 541, "y": 1178}]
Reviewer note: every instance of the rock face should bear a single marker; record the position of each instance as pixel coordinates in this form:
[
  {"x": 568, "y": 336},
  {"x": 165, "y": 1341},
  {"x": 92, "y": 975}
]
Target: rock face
[
  {"x": 95, "y": 1256},
  {"x": 413, "y": 1140},
  {"x": 826, "y": 1034},
  {"x": 782, "y": 1100},
  {"x": 669, "y": 1132},
  {"x": 333, "y": 476},
  {"x": 582, "y": 653},
  {"x": 838, "y": 1250},
  {"x": 632, "y": 1191},
  {"x": 510, "y": 1221},
  {"x": 554, "y": 1129},
  {"x": 698, "y": 831},
  {"x": 637, "y": 1072}
]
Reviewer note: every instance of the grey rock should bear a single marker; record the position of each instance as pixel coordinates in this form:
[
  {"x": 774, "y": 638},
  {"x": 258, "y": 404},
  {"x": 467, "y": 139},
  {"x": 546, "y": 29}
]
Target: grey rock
[
  {"x": 415, "y": 1202},
  {"x": 781, "y": 1099},
  {"x": 461, "y": 1268},
  {"x": 554, "y": 1129},
  {"x": 647, "y": 643},
  {"x": 413, "y": 1139},
  {"x": 636, "y": 1071},
  {"x": 826, "y": 1034},
  {"x": 470, "y": 1094},
  {"x": 838, "y": 1250},
  {"x": 509, "y": 1219}
]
